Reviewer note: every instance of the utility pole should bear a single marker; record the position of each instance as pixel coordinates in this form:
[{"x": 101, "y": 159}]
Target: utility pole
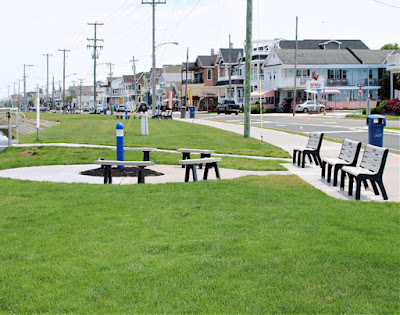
[
  {"x": 14, "y": 95},
  {"x": 230, "y": 68},
  {"x": 19, "y": 94},
  {"x": 109, "y": 64},
  {"x": 153, "y": 72},
  {"x": 47, "y": 89},
  {"x": 134, "y": 75},
  {"x": 249, "y": 45},
  {"x": 52, "y": 95},
  {"x": 187, "y": 69},
  {"x": 25, "y": 105},
  {"x": 95, "y": 56},
  {"x": 80, "y": 94},
  {"x": 295, "y": 71},
  {"x": 63, "y": 100}
]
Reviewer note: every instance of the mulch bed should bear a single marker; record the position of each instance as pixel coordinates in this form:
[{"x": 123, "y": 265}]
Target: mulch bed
[{"x": 122, "y": 172}]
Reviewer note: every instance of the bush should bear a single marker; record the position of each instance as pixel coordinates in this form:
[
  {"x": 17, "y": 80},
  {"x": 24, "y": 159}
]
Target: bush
[
  {"x": 255, "y": 109},
  {"x": 376, "y": 110},
  {"x": 391, "y": 107}
]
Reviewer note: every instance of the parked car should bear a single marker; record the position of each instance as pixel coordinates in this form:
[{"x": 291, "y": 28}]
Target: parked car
[
  {"x": 309, "y": 106},
  {"x": 86, "y": 108},
  {"x": 142, "y": 107},
  {"x": 100, "y": 109},
  {"x": 120, "y": 108},
  {"x": 228, "y": 107},
  {"x": 287, "y": 104}
]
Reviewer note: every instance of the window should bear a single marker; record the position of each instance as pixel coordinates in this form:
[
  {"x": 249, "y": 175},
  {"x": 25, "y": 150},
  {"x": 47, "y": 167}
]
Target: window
[
  {"x": 370, "y": 74},
  {"x": 337, "y": 74},
  {"x": 305, "y": 73},
  {"x": 209, "y": 74}
]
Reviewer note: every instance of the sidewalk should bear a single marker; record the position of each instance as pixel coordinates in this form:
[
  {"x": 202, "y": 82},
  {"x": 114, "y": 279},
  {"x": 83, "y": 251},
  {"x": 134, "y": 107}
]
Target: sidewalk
[{"x": 311, "y": 173}]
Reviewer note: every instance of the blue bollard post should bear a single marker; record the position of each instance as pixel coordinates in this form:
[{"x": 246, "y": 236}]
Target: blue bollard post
[
  {"x": 120, "y": 143},
  {"x": 126, "y": 113}
]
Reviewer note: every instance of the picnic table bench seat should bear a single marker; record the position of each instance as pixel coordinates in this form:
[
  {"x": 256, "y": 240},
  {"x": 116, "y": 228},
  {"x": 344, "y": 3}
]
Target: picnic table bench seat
[
  {"x": 371, "y": 168},
  {"x": 203, "y": 154},
  {"x": 190, "y": 165},
  {"x": 146, "y": 151},
  {"x": 348, "y": 156},
  {"x": 311, "y": 150},
  {"x": 107, "y": 165}
]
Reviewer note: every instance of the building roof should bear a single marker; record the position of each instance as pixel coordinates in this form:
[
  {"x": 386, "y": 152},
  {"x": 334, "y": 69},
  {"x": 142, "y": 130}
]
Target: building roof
[
  {"x": 206, "y": 61},
  {"x": 326, "y": 57},
  {"x": 172, "y": 68},
  {"x": 320, "y": 43},
  {"x": 234, "y": 53}
]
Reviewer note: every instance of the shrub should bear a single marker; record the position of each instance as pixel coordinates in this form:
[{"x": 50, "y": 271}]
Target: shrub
[
  {"x": 255, "y": 109},
  {"x": 392, "y": 106}
]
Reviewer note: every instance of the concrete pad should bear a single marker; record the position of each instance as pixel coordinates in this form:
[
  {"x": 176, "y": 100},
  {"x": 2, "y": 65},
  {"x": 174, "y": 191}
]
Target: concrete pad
[{"x": 71, "y": 174}]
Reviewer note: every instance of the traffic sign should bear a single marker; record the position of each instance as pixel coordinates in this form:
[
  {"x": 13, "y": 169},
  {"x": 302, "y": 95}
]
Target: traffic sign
[
  {"x": 360, "y": 91},
  {"x": 120, "y": 100}
]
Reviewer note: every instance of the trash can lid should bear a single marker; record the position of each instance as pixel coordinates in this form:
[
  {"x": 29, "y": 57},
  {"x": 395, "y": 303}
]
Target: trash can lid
[{"x": 370, "y": 119}]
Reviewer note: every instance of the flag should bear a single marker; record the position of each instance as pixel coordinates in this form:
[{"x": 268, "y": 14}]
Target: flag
[
  {"x": 170, "y": 100},
  {"x": 190, "y": 100}
]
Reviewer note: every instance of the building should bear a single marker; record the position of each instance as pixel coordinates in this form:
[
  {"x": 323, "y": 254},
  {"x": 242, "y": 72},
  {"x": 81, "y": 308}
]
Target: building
[{"x": 343, "y": 72}]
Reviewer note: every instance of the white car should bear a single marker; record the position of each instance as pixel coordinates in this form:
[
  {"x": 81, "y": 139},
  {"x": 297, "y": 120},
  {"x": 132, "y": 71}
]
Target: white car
[{"x": 309, "y": 106}]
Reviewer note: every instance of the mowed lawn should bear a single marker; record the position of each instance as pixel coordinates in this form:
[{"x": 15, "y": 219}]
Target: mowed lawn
[
  {"x": 163, "y": 134},
  {"x": 250, "y": 245},
  {"x": 256, "y": 244}
]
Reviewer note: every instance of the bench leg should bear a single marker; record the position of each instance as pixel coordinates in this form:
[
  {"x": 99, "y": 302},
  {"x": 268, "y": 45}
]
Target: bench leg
[
  {"x": 146, "y": 156},
  {"x": 299, "y": 154},
  {"x": 374, "y": 187},
  {"x": 342, "y": 178},
  {"x": 105, "y": 167},
  {"x": 194, "y": 173},
  {"x": 303, "y": 160},
  {"x": 383, "y": 190},
  {"x": 217, "y": 170},
  {"x": 351, "y": 178},
  {"x": 109, "y": 175},
  {"x": 329, "y": 173},
  {"x": 294, "y": 156},
  {"x": 203, "y": 155},
  {"x": 205, "y": 175},
  {"x": 323, "y": 166},
  {"x": 187, "y": 173},
  {"x": 335, "y": 175},
  {"x": 358, "y": 189},
  {"x": 141, "y": 175},
  {"x": 184, "y": 157}
]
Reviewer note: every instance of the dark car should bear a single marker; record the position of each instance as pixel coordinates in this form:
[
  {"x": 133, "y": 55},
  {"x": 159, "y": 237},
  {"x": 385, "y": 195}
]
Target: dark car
[
  {"x": 142, "y": 107},
  {"x": 228, "y": 107},
  {"x": 287, "y": 104}
]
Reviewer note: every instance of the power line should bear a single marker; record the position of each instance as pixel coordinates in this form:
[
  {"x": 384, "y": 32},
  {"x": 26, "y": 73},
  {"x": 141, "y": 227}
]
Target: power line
[{"x": 387, "y": 4}]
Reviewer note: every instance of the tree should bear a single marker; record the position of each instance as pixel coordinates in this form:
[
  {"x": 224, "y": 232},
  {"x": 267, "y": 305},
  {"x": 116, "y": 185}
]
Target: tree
[
  {"x": 384, "y": 83},
  {"x": 390, "y": 46}
]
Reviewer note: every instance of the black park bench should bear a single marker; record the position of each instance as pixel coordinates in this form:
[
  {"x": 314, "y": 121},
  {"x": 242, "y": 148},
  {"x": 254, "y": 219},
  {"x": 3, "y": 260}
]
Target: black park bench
[
  {"x": 371, "y": 168},
  {"x": 311, "y": 150},
  {"x": 348, "y": 156}
]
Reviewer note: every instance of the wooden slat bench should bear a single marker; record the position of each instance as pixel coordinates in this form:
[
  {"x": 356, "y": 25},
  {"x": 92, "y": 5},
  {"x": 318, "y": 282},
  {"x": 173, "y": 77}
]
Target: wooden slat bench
[
  {"x": 146, "y": 152},
  {"x": 107, "y": 165},
  {"x": 371, "y": 168},
  {"x": 348, "y": 156},
  {"x": 190, "y": 164},
  {"x": 311, "y": 150},
  {"x": 203, "y": 154}
]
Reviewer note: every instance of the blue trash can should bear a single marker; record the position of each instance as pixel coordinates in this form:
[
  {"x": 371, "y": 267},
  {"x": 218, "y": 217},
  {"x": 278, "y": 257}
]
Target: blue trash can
[
  {"x": 191, "y": 111},
  {"x": 375, "y": 129},
  {"x": 105, "y": 110}
]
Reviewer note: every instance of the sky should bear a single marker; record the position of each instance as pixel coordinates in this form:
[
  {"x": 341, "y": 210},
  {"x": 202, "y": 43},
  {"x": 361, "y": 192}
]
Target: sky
[{"x": 31, "y": 29}]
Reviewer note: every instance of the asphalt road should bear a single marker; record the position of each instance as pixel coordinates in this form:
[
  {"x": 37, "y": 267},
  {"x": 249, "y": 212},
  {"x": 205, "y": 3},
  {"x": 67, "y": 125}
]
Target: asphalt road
[{"x": 333, "y": 125}]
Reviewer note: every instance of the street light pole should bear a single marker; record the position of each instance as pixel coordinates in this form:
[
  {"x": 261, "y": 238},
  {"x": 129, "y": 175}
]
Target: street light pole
[{"x": 25, "y": 105}]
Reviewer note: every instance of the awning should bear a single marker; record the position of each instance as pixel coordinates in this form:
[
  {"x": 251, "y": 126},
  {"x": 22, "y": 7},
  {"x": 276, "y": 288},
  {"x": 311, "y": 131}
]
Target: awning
[
  {"x": 264, "y": 93},
  {"x": 325, "y": 91}
]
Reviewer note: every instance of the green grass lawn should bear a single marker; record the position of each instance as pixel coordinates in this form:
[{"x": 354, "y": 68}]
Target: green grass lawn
[
  {"x": 270, "y": 244},
  {"x": 163, "y": 134},
  {"x": 388, "y": 117}
]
